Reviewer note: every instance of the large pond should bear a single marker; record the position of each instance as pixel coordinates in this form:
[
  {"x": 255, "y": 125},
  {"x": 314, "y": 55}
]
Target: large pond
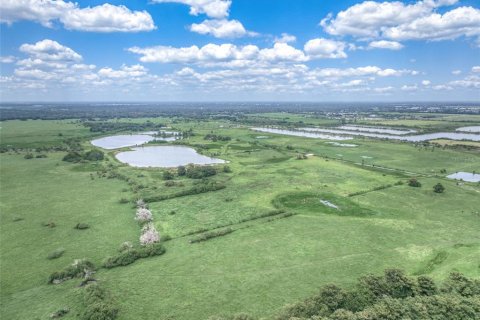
[
  {"x": 129, "y": 140},
  {"x": 336, "y": 134},
  {"x": 302, "y": 134},
  {"x": 164, "y": 157},
  {"x": 412, "y": 138},
  {"x": 377, "y": 129},
  {"x": 465, "y": 176}
]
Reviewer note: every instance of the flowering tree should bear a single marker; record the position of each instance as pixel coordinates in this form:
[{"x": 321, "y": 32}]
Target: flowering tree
[
  {"x": 143, "y": 215},
  {"x": 149, "y": 235}
]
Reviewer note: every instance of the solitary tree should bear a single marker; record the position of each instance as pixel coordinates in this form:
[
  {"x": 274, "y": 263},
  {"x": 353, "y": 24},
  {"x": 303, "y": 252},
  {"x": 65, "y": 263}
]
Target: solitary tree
[
  {"x": 414, "y": 183},
  {"x": 438, "y": 188}
]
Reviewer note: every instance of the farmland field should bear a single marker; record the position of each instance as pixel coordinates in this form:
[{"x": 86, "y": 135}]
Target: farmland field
[{"x": 284, "y": 242}]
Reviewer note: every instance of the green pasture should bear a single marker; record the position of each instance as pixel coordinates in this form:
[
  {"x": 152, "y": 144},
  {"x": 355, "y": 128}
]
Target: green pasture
[{"x": 268, "y": 261}]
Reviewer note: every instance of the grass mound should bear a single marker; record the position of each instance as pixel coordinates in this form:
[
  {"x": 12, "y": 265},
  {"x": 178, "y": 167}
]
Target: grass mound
[{"x": 308, "y": 202}]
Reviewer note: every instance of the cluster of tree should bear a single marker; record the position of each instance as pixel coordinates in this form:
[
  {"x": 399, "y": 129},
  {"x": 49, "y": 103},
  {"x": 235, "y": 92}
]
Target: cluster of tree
[
  {"x": 393, "y": 296},
  {"x": 216, "y": 137},
  {"x": 92, "y": 155},
  {"x": 194, "y": 172},
  {"x": 201, "y": 187},
  {"x": 78, "y": 269},
  {"x": 130, "y": 254}
]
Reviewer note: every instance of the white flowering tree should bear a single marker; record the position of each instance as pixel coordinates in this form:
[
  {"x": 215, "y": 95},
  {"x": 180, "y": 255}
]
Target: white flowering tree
[
  {"x": 149, "y": 235},
  {"x": 143, "y": 215}
]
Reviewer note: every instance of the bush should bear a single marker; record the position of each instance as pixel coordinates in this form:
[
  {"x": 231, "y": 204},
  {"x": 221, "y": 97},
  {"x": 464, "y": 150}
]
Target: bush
[
  {"x": 204, "y": 186},
  {"x": 73, "y": 156},
  {"x": 169, "y": 183},
  {"x": 94, "y": 155},
  {"x": 50, "y": 224},
  {"x": 79, "y": 268},
  {"x": 28, "y": 156},
  {"x": 200, "y": 172},
  {"x": 127, "y": 245},
  {"x": 40, "y": 156},
  {"x": 414, "y": 183},
  {"x": 82, "y": 226},
  {"x": 167, "y": 175},
  {"x": 130, "y": 255},
  {"x": 227, "y": 169},
  {"x": 99, "y": 305},
  {"x": 56, "y": 254},
  {"x": 59, "y": 313},
  {"x": 438, "y": 188},
  {"x": 213, "y": 234},
  {"x": 123, "y": 201},
  {"x": 181, "y": 171}
]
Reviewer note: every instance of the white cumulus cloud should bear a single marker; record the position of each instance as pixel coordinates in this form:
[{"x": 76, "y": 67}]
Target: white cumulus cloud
[
  {"x": 221, "y": 28},
  {"x": 217, "y": 9},
  {"x": 325, "y": 48},
  {"x": 400, "y": 21},
  {"x": 286, "y": 38},
  {"x": 103, "y": 18},
  {"x": 384, "y": 44},
  {"x": 50, "y": 50}
]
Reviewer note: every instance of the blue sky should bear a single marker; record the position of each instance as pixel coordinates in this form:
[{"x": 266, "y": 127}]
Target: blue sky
[{"x": 240, "y": 50}]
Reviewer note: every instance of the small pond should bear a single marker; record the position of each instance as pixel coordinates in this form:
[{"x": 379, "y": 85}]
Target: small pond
[
  {"x": 465, "y": 176},
  {"x": 164, "y": 157},
  {"x": 347, "y": 145}
]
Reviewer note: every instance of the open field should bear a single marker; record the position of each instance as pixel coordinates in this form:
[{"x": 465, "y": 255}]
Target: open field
[{"x": 285, "y": 243}]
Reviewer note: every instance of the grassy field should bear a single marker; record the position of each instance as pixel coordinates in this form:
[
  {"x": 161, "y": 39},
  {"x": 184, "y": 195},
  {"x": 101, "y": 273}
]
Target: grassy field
[{"x": 271, "y": 259}]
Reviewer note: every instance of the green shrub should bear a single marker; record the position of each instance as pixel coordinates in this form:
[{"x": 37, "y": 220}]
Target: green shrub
[
  {"x": 50, "y": 224},
  {"x": 59, "y": 313},
  {"x": 56, "y": 254},
  {"x": 438, "y": 188},
  {"x": 213, "y": 234},
  {"x": 28, "y": 156},
  {"x": 130, "y": 255},
  {"x": 200, "y": 172},
  {"x": 169, "y": 183},
  {"x": 181, "y": 171},
  {"x": 79, "y": 268},
  {"x": 167, "y": 175},
  {"x": 82, "y": 226},
  {"x": 73, "y": 156},
  {"x": 414, "y": 183},
  {"x": 98, "y": 304},
  {"x": 94, "y": 155}
]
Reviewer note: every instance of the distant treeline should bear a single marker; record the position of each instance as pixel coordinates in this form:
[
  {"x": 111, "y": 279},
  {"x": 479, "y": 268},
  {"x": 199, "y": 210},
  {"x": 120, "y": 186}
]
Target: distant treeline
[
  {"x": 214, "y": 110},
  {"x": 107, "y": 126}
]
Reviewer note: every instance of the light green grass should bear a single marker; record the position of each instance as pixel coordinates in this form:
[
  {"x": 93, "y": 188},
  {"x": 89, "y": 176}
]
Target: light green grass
[{"x": 261, "y": 266}]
